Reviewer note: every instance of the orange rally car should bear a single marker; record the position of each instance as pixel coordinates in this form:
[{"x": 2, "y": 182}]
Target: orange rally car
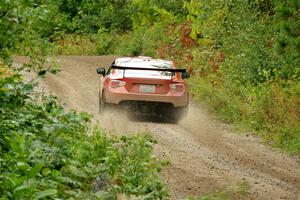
[{"x": 146, "y": 86}]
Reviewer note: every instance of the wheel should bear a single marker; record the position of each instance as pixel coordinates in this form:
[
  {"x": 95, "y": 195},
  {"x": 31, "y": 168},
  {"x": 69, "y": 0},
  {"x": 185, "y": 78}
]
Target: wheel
[{"x": 101, "y": 106}]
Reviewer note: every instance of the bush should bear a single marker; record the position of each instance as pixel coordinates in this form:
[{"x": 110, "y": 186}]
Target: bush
[
  {"x": 270, "y": 110},
  {"x": 105, "y": 42},
  {"x": 74, "y": 44},
  {"x": 142, "y": 41}
]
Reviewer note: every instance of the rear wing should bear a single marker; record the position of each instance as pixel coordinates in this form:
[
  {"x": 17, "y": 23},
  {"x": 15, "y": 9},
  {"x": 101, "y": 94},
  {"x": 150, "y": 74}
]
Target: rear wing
[
  {"x": 150, "y": 69},
  {"x": 184, "y": 73}
]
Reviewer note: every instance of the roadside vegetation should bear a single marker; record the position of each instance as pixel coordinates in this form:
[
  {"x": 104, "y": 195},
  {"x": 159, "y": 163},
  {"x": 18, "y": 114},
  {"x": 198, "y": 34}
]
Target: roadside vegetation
[{"x": 247, "y": 65}]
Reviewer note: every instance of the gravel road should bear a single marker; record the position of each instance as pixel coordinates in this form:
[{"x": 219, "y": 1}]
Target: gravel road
[{"x": 205, "y": 155}]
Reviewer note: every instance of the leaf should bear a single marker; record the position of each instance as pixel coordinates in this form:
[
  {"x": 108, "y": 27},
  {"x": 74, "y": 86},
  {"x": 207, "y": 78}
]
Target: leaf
[
  {"x": 35, "y": 170},
  {"x": 23, "y": 166},
  {"x": 45, "y": 193},
  {"x": 10, "y": 180},
  {"x": 46, "y": 171},
  {"x": 60, "y": 141},
  {"x": 22, "y": 187}
]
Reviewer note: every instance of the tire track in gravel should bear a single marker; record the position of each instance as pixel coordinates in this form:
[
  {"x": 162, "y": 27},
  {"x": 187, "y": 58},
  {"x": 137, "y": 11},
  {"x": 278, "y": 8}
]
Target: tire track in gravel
[{"x": 204, "y": 154}]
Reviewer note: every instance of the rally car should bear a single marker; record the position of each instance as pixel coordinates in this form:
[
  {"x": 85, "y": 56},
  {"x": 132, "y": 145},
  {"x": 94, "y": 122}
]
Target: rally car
[{"x": 145, "y": 85}]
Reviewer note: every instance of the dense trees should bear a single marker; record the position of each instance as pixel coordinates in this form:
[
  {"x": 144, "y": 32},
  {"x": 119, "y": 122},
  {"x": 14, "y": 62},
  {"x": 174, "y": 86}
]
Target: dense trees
[
  {"x": 265, "y": 35},
  {"x": 267, "y": 30}
]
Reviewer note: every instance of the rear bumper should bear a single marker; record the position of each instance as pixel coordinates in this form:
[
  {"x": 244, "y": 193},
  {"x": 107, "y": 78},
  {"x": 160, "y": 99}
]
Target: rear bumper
[{"x": 119, "y": 95}]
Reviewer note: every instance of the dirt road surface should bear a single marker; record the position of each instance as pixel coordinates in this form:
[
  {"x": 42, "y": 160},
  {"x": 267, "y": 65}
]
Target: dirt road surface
[{"x": 204, "y": 154}]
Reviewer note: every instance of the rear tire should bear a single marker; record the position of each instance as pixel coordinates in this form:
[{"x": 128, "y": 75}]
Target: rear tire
[{"x": 101, "y": 107}]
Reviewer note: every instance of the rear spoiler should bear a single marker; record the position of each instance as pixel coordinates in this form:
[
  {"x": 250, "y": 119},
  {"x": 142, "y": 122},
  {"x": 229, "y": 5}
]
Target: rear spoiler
[
  {"x": 150, "y": 69},
  {"x": 184, "y": 73}
]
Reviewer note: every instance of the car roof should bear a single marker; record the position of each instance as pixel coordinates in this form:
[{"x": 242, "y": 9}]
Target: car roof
[{"x": 143, "y": 61}]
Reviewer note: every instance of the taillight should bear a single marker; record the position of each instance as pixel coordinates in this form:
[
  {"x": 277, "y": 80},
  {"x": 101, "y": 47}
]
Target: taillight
[
  {"x": 117, "y": 83},
  {"x": 177, "y": 86}
]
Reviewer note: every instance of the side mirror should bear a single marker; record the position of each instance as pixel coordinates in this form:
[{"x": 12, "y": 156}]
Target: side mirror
[
  {"x": 185, "y": 75},
  {"x": 101, "y": 70}
]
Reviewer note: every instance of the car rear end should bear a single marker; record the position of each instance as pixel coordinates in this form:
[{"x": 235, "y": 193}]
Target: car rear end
[
  {"x": 143, "y": 89},
  {"x": 146, "y": 91}
]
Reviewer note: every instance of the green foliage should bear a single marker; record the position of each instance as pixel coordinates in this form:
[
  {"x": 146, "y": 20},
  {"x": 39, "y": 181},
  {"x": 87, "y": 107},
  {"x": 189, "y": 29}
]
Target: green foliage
[
  {"x": 74, "y": 44},
  {"x": 142, "y": 41},
  {"x": 105, "y": 42},
  {"x": 11, "y": 24},
  {"x": 252, "y": 57},
  {"x": 69, "y": 27},
  {"x": 253, "y": 83},
  {"x": 93, "y": 15},
  {"x": 288, "y": 39},
  {"x": 46, "y": 152},
  {"x": 27, "y": 27},
  {"x": 268, "y": 109}
]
